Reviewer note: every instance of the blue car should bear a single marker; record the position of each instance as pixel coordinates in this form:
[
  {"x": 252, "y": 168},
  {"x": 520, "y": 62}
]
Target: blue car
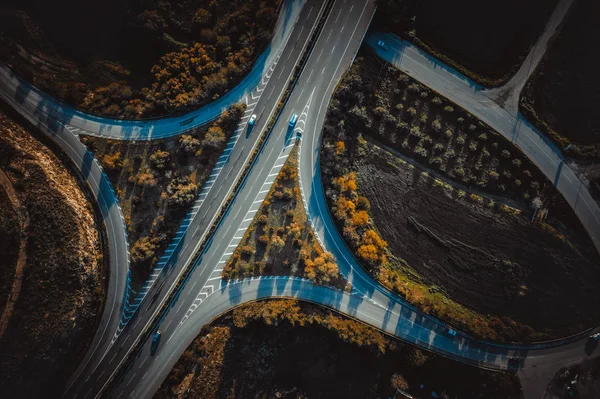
[
  {"x": 293, "y": 120},
  {"x": 155, "y": 342}
]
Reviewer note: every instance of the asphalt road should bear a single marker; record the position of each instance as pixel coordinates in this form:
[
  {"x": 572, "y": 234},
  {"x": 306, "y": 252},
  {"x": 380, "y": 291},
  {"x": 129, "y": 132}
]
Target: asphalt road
[
  {"x": 91, "y": 173},
  {"x": 539, "y": 149},
  {"x": 83, "y": 123},
  {"x": 204, "y": 296},
  {"x": 213, "y": 195},
  {"x": 199, "y": 303}
]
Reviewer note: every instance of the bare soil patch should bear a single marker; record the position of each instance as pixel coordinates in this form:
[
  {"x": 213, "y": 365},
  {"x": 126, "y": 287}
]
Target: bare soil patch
[
  {"x": 493, "y": 265},
  {"x": 135, "y": 59},
  {"x": 487, "y": 42},
  {"x": 493, "y": 261},
  {"x": 285, "y": 349},
  {"x": 61, "y": 295},
  {"x": 280, "y": 240},
  {"x": 9, "y": 245},
  {"x": 563, "y": 94},
  {"x": 157, "y": 181}
]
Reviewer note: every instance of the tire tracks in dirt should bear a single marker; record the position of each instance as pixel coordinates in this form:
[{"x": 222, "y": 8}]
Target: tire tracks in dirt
[{"x": 23, "y": 217}]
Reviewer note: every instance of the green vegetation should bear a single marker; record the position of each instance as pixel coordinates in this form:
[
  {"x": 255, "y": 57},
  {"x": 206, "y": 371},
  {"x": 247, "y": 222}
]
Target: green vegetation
[
  {"x": 474, "y": 260},
  {"x": 168, "y": 57},
  {"x": 280, "y": 241},
  {"x": 284, "y": 348},
  {"x": 486, "y": 44},
  {"x": 562, "y": 95},
  {"x": 157, "y": 181}
]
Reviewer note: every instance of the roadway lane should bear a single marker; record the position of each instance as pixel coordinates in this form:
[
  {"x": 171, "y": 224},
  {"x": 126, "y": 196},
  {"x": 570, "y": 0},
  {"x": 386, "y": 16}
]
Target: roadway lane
[
  {"x": 82, "y": 123},
  {"x": 514, "y": 127},
  {"x": 204, "y": 295},
  {"x": 207, "y": 210},
  {"x": 333, "y": 53},
  {"x": 91, "y": 173}
]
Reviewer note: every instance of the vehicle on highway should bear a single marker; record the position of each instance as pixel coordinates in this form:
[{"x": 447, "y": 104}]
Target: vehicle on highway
[
  {"x": 252, "y": 120},
  {"x": 155, "y": 342},
  {"x": 452, "y": 332},
  {"x": 298, "y": 137},
  {"x": 595, "y": 337},
  {"x": 293, "y": 120},
  {"x": 382, "y": 44}
]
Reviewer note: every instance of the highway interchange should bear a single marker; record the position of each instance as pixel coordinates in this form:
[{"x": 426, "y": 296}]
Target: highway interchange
[{"x": 204, "y": 295}]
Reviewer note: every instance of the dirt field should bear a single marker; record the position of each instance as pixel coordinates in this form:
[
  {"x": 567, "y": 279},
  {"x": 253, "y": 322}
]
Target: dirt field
[
  {"x": 486, "y": 42},
  {"x": 461, "y": 245},
  {"x": 238, "y": 358},
  {"x": 489, "y": 260},
  {"x": 9, "y": 245},
  {"x": 562, "y": 95},
  {"x": 134, "y": 58},
  {"x": 55, "y": 316},
  {"x": 280, "y": 241},
  {"x": 388, "y": 105},
  {"x": 157, "y": 181}
]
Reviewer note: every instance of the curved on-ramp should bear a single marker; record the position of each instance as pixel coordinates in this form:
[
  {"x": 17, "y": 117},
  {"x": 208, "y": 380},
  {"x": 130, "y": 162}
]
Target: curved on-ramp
[{"x": 80, "y": 122}]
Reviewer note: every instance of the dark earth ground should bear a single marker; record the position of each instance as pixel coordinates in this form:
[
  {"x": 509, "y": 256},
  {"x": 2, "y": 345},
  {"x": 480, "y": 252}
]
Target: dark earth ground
[
  {"x": 563, "y": 96},
  {"x": 450, "y": 244},
  {"x": 55, "y": 316},
  {"x": 485, "y": 41},
  {"x": 255, "y": 352},
  {"x": 492, "y": 261}
]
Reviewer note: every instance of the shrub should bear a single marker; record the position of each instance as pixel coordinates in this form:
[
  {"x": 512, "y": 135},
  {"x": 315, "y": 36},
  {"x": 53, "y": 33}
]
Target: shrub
[
  {"x": 421, "y": 151},
  {"x": 436, "y": 100},
  {"x": 438, "y": 147},
  {"x": 461, "y": 139},
  {"x": 472, "y": 127},
  {"x": 517, "y": 182},
  {"x": 246, "y": 252},
  {"x": 415, "y": 131},
  {"x": 399, "y": 106},
  {"x": 424, "y": 117},
  {"x": 436, "y": 125},
  {"x": 159, "y": 159},
  {"x": 412, "y": 111},
  {"x": 414, "y": 88},
  {"x": 214, "y": 137},
  {"x": 363, "y": 203},
  {"x": 527, "y": 173},
  {"x": 423, "y": 94},
  {"x": 448, "y": 109},
  {"x": 460, "y": 171},
  {"x": 181, "y": 191},
  {"x": 112, "y": 161},
  {"x": 483, "y": 136},
  {"x": 473, "y": 145},
  {"x": 263, "y": 239},
  {"x": 460, "y": 119},
  {"x": 493, "y": 174},
  {"x": 505, "y": 153},
  {"x": 516, "y": 162},
  {"x": 448, "y": 133},
  {"x": 402, "y": 126},
  {"x": 262, "y": 219},
  {"x": 189, "y": 144}
]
